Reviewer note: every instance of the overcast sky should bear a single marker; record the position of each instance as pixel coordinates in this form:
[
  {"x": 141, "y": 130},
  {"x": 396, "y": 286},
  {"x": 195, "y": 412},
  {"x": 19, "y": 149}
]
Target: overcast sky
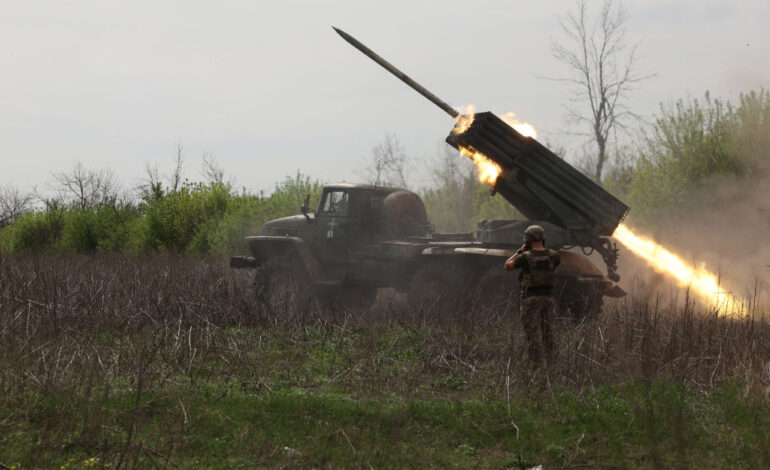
[{"x": 268, "y": 88}]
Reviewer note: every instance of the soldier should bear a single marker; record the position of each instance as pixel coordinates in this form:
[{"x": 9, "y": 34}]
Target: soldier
[{"x": 536, "y": 278}]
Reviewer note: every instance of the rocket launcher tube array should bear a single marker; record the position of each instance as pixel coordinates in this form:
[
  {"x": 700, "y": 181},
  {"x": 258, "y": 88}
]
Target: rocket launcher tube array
[
  {"x": 546, "y": 186},
  {"x": 535, "y": 180}
]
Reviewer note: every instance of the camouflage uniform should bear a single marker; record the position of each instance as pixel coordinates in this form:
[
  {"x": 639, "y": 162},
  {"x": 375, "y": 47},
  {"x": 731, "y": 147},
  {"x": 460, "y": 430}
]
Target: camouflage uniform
[{"x": 537, "y": 303}]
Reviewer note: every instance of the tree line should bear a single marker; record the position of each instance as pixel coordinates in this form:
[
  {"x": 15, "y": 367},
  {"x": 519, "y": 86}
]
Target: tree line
[{"x": 692, "y": 147}]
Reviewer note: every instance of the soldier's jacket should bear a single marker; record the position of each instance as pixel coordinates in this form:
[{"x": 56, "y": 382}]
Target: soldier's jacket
[{"x": 536, "y": 276}]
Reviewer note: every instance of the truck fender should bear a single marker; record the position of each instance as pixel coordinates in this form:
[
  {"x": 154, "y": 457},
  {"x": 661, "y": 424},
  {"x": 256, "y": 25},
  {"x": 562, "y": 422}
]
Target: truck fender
[
  {"x": 264, "y": 248},
  {"x": 572, "y": 265}
]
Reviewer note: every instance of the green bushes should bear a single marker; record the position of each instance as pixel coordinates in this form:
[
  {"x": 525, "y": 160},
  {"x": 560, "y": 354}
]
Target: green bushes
[
  {"x": 245, "y": 213},
  {"x": 35, "y": 230},
  {"x": 174, "y": 220},
  {"x": 694, "y": 146},
  {"x": 196, "y": 219},
  {"x": 105, "y": 228}
]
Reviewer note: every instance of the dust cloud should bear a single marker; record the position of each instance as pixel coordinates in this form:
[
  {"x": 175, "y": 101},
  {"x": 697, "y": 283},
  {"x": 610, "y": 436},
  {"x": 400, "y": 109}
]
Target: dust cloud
[{"x": 727, "y": 228}]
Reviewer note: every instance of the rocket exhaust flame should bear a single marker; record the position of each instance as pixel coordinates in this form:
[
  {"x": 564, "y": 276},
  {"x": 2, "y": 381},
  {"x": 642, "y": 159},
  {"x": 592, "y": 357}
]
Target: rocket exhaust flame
[
  {"x": 465, "y": 119},
  {"x": 523, "y": 128},
  {"x": 701, "y": 281},
  {"x": 487, "y": 169}
]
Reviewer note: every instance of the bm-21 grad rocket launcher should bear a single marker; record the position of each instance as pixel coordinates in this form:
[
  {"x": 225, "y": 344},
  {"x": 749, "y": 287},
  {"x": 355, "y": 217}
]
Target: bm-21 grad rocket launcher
[{"x": 542, "y": 186}]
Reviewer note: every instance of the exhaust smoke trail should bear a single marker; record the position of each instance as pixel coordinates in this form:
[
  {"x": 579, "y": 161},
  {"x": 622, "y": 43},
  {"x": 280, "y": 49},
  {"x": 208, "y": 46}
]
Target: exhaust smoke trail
[{"x": 703, "y": 282}]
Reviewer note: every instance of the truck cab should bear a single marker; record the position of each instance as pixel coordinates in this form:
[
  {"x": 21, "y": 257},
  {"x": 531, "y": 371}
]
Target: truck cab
[{"x": 348, "y": 220}]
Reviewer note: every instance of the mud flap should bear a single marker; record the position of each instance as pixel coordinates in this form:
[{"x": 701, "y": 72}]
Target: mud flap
[{"x": 615, "y": 292}]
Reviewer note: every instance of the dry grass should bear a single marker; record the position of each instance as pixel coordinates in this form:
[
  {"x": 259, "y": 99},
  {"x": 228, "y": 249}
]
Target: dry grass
[
  {"x": 83, "y": 331},
  {"x": 62, "y": 314}
]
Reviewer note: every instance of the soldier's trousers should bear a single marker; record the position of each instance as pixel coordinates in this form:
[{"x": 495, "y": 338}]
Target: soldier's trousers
[{"x": 537, "y": 315}]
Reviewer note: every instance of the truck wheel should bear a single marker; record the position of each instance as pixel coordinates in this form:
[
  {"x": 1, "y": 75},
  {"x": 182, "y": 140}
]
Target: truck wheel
[
  {"x": 261, "y": 285},
  {"x": 439, "y": 287},
  {"x": 577, "y": 304},
  {"x": 283, "y": 284},
  {"x": 355, "y": 298},
  {"x": 497, "y": 291}
]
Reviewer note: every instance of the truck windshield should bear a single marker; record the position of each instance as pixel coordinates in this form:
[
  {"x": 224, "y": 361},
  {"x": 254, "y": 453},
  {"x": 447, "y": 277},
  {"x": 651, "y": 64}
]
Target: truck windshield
[{"x": 335, "y": 202}]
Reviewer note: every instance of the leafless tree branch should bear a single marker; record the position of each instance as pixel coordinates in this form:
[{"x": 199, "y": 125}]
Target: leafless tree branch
[
  {"x": 13, "y": 203},
  {"x": 212, "y": 170},
  {"x": 388, "y": 163},
  {"x": 86, "y": 188},
  {"x": 602, "y": 72},
  {"x": 175, "y": 178}
]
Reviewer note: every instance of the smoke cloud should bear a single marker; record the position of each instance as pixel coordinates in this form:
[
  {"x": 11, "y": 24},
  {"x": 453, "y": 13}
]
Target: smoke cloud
[{"x": 727, "y": 228}]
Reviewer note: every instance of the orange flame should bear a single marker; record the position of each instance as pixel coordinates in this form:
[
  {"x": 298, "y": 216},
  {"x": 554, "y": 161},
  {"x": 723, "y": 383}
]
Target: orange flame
[
  {"x": 488, "y": 170},
  {"x": 704, "y": 283},
  {"x": 464, "y": 120},
  {"x": 524, "y": 128}
]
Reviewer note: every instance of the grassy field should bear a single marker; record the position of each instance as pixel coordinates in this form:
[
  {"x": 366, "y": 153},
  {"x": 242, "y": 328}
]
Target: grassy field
[{"x": 130, "y": 362}]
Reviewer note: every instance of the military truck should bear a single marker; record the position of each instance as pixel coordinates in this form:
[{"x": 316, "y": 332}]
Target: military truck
[{"x": 363, "y": 237}]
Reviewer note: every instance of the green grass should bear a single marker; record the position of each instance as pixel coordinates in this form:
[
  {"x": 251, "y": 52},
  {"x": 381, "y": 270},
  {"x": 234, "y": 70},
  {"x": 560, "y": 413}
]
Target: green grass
[{"x": 283, "y": 407}]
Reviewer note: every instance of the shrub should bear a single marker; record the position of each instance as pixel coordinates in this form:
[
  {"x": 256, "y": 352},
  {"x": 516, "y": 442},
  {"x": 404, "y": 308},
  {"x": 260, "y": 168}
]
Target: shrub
[
  {"x": 692, "y": 146},
  {"x": 174, "y": 219},
  {"x": 36, "y": 230}
]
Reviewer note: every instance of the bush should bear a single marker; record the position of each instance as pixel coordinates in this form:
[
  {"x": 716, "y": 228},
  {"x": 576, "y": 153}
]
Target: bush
[
  {"x": 200, "y": 218},
  {"x": 105, "y": 228},
  {"x": 36, "y": 230},
  {"x": 80, "y": 232},
  {"x": 691, "y": 144},
  {"x": 247, "y": 212},
  {"x": 174, "y": 219}
]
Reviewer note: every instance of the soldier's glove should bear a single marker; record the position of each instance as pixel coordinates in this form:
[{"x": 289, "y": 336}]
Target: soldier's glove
[{"x": 518, "y": 252}]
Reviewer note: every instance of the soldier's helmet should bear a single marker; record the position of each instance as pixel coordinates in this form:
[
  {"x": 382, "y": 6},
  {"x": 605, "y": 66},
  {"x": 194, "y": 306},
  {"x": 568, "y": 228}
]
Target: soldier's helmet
[{"x": 534, "y": 233}]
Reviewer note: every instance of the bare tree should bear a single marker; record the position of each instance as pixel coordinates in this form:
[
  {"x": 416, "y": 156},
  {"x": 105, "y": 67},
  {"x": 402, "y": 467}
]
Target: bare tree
[
  {"x": 602, "y": 72},
  {"x": 87, "y": 188},
  {"x": 13, "y": 203},
  {"x": 151, "y": 185},
  {"x": 388, "y": 163},
  {"x": 212, "y": 170},
  {"x": 175, "y": 179}
]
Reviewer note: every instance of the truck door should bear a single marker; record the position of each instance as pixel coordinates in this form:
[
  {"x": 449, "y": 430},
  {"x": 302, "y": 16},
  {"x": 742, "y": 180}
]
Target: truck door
[{"x": 333, "y": 226}]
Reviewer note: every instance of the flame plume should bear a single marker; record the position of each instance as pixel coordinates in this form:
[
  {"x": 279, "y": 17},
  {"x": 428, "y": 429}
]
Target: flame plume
[
  {"x": 464, "y": 120},
  {"x": 524, "y": 128},
  {"x": 703, "y": 282},
  {"x": 487, "y": 169}
]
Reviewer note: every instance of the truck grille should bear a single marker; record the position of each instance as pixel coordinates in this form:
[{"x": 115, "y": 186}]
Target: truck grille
[{"x": 284, "y": 232}]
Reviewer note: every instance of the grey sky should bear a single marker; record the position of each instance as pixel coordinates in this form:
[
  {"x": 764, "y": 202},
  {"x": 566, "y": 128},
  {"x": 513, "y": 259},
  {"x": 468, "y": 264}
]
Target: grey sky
[{"x": 269, "y": 88}]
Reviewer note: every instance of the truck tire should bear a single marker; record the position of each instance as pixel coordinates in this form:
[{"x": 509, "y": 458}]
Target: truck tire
[
  {"x": 577, "y": 304},
  {"x": 580, "y": 286},
  {"x": 283, "y": 284},
  {"x": 497, "y": 291},
  {"x": 351, "y": 298},
  {"x": 440, "y": 288}
]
